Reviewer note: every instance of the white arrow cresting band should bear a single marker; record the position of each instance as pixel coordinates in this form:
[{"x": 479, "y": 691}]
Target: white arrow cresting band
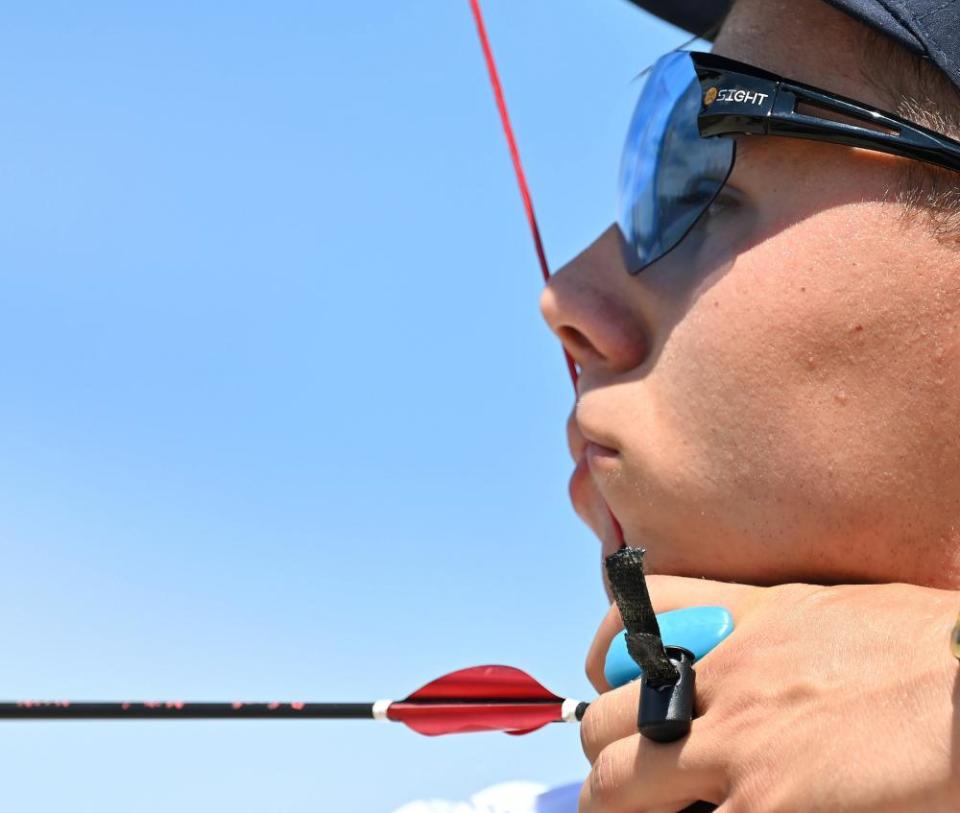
[
  {"x": 568, "y": 711},
  {"x": 380, "y": 709}
]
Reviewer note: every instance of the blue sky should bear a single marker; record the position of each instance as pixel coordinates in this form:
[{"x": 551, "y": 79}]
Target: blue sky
[{"x": 280, "y": 418}]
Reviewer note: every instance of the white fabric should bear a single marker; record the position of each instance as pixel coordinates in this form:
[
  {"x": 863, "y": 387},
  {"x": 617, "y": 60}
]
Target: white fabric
[{"x": 508, "y": 797}]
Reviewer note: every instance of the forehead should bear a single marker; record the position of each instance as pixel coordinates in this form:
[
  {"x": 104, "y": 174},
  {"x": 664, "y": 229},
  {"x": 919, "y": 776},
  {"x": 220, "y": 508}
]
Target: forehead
[{"x": 806, "y": 40}]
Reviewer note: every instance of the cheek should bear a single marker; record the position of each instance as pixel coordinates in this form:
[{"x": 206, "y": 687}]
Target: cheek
[{"x": 811, "y": 385}]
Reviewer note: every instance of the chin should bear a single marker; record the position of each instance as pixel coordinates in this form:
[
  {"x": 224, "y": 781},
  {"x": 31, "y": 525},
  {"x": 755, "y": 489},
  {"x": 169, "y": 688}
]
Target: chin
[{"x": 666, "y": 559}]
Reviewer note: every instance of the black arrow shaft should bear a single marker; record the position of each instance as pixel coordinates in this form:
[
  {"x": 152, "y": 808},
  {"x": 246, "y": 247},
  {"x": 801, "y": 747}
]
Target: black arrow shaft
[{"x": 176, "y": 710}]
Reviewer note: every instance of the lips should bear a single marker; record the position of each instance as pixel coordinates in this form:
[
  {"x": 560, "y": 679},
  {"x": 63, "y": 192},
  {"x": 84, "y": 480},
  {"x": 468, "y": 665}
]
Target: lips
[
  {"x": 598, "y": 456},
  {"x": 592, "y": 508},
  {"x": 617, "y": 530},
  {"x": 582, "y": 443},
  {"x": 592, "y": 457}
]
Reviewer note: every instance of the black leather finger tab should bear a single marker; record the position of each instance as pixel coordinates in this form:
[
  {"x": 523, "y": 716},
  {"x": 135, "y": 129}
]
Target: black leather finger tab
[{"x": 667, "y": 709}]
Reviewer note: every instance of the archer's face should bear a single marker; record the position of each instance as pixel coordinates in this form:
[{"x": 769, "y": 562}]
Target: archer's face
[{"x": 778, "y": 399}]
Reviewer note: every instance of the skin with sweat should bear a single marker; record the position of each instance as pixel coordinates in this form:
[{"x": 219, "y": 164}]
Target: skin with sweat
[{"x": 776, "y": 400}]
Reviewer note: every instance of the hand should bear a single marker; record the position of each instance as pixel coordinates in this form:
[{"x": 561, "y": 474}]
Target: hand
[{"x": 823, "y": 698}]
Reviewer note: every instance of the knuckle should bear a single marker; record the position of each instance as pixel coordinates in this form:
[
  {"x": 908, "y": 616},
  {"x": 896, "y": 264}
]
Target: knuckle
[
  {"x": 602, "y": 781},
  {"x": 610, "y": 718},
  {"x": 750, "y": 796},
  {"x": 591, "y": 730},
  {"x": 583, "y": 803}
]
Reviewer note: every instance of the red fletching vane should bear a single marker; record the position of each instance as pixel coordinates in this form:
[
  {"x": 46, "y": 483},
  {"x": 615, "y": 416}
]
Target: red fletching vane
[{"x": 482, "y": 698}]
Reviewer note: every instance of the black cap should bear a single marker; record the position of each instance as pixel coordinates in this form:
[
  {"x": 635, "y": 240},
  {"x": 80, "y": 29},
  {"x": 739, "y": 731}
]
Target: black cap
[{"x": 929, "y": 28}]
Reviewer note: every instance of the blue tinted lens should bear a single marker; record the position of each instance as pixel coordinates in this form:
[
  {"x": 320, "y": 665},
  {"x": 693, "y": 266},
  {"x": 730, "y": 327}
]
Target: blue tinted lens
[{"x": 669, "y": 175}]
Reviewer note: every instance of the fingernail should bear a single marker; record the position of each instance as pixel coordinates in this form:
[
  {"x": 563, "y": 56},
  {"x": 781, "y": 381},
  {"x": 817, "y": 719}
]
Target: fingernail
[{"x": 698, "y": 629}]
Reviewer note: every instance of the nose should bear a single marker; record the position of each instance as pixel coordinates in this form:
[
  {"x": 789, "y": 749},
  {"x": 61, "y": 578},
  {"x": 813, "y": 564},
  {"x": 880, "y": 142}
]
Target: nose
[{"x": 592, "y": 305}]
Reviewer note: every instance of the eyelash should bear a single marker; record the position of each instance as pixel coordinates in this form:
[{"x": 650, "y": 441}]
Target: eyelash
[{"x": 722, "y": 204}]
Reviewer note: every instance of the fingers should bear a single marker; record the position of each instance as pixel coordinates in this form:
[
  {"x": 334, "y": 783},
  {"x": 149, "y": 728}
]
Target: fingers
[
  {"x": 630, "y": 773},
  {"x": 611, "y": 717},
  {"x": 634, "y": 774},
  {"x": 597, "y": 656}
]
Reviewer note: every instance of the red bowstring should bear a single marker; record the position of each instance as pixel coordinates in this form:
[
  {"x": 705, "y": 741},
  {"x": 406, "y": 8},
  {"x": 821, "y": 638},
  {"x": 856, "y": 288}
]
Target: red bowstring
[
  {"x": 522, "y": 182},
  {"x": 515, "y": 156}
]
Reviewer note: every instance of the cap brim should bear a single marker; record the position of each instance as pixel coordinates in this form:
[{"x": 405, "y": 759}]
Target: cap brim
[
  {"x": 703, "y": 17},
  {"x": 700, "y": 17}
]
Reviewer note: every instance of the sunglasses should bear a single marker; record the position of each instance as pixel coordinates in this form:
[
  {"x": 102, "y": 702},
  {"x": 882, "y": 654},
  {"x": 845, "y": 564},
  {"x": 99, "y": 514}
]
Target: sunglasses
[{"x": 680, "y": 148}]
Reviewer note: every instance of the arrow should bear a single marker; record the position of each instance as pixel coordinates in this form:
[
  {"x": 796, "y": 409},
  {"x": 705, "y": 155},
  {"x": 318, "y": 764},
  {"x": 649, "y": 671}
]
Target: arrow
[{"x": 481, "y": 698}]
